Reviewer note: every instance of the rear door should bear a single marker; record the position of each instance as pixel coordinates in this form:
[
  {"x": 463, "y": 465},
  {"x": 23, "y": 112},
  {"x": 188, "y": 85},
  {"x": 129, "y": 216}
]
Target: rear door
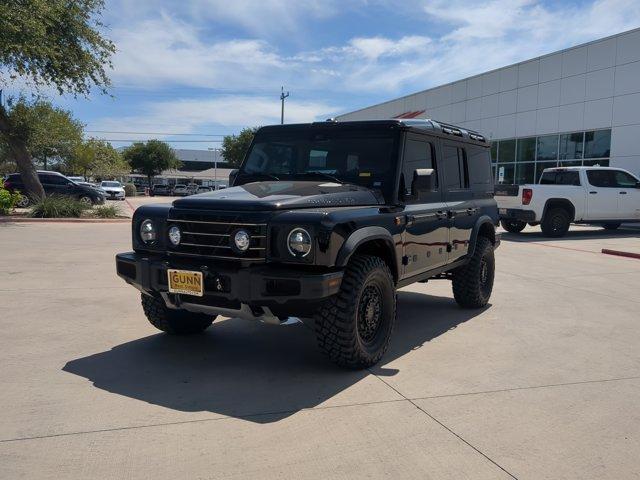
[
  {"x": 459, "y": 197},
  {"x": 628, "y": 196},
  {"x": 426, "y": 234},
  {"x": 602, "y": 195}
]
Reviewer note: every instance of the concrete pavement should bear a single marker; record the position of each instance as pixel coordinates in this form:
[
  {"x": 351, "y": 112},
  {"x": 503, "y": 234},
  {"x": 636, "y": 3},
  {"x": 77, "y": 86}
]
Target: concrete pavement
[{"x": 544, "y": 383}]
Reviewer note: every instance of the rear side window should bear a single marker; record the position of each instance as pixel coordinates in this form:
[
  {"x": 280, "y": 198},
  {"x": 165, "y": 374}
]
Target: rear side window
[
  {"x": 560, "y": 178},
  {"x": 479, "y": 165},
  {"x": 456, "y": 168}
]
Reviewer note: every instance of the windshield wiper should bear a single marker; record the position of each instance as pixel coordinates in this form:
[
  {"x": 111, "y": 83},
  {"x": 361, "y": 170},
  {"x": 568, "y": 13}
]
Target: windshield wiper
[{"x": 321, "y": 174}]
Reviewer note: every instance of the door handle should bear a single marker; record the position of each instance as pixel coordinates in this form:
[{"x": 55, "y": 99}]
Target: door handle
[
  {"x": 593, "y": 193},
  {"x": 452, "y": 213},
  {"x": 623, "y": 193},
  {"x": 440, "y": 214},
  {"x": 471, "y": 211}
]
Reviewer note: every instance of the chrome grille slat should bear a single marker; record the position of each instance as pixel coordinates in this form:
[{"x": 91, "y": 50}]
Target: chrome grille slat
[{"x": 208, "y": 234}]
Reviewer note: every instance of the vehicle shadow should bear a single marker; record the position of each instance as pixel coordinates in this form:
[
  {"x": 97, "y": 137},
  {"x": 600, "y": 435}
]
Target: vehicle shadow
[
  {"x": 258, "y": 372},
  {"x": 572, "y": 234}
]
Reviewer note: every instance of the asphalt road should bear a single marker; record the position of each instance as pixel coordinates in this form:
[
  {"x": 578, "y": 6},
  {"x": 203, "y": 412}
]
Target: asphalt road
[{"x": 542, "y": 384}]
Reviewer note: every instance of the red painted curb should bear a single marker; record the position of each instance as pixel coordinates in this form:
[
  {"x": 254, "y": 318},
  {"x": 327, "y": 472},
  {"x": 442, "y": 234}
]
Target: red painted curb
[
  {"x": 63, "y": 220},
  {"x": 618, "y": 253}
]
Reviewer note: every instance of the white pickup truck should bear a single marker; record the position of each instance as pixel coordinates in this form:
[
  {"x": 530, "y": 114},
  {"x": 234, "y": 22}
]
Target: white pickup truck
[{"x": 590, "y": 195}]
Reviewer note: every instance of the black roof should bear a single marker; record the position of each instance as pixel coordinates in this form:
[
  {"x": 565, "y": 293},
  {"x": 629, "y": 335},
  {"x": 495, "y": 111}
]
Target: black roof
[{"x": 433, "y": 126}]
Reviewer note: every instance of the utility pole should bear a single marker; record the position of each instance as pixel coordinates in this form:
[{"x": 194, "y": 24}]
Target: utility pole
[
  {"x": 282, "y": 98},
  {"x": 215, "y": 166}
]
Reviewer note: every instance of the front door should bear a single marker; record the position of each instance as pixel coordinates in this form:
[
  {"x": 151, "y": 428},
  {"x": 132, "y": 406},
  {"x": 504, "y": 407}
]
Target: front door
[
  {"x": 426, "y": 234},
  {"x": 602, "y": 195},
  {"x": 461, "y": 205}
]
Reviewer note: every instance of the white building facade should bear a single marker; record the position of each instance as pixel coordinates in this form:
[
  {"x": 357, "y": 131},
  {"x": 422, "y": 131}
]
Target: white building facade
[{"x": 579, "y": 106}]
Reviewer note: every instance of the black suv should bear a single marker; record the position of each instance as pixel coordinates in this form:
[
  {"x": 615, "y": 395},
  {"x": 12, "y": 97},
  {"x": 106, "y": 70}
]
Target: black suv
[
  {"x": 55, "y": 183},
  {"x": 324, "y": 221}
]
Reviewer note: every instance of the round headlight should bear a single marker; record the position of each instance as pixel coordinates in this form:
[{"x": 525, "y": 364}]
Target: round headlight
[
  {"x": 174, "y": 235},
  {"x": 299, "y": 242},
  {"x": 242, "y": 240},
  {"x": 147, "y": 231}
]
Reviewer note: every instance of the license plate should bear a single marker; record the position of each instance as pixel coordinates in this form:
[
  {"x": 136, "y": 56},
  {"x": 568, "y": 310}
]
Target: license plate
[
  {"x": 502, "y": 211},
  {"x": 185, "y": 282}
]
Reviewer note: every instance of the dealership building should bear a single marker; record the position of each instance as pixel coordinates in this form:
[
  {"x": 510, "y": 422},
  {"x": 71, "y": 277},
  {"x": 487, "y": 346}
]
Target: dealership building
[{"x": 579, "y": 106}]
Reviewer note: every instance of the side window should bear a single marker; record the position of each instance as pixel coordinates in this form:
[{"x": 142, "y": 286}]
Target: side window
[
  {"x": 456, "y": 168},
  {"x": 624, "y": 180},
  {"x": 479, "y": 166},
  {"x": 417, "y": 154},
  {"x": 602, "y": 178}
]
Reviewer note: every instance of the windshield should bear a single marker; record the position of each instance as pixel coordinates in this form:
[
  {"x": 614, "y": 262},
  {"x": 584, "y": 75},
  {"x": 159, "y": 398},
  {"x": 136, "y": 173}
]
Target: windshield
[
  {"x": 110, "y": 184},
  {"x": 366, "y": 158}
]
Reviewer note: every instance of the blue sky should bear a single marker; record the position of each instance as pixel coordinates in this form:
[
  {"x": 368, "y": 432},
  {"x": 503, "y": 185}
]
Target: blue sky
[{"x": 213, "y": 66}]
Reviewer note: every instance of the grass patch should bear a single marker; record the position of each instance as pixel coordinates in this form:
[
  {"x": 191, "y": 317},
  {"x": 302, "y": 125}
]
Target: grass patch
[
  {"x": 106, "y": 211},
  {"x": 58, "y": 207}
]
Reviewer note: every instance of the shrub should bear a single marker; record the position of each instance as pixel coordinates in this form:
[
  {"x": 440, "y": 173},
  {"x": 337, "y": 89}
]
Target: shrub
[
  {"x": 130, "y": 190},
  {"x": 58, "y": 207},
  {"x": 106, "y": 211},
  {"x": 8, "y": 201}
]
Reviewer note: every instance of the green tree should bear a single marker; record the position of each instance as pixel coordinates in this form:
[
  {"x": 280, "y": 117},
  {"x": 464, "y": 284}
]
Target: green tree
[
  {"x": 234, "y": 147},
  {"x": 47, "y": 132},
  {"x": 97, "y": 158},
  {"x": 151, "y": 158},
  {"x": 52, "y": 43}
]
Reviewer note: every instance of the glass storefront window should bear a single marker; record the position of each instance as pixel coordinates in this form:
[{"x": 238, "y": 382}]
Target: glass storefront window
[
  {"x": 507, "y": 151},
  {"x": 526, "y": 150},
  {"x": 603, "y": 162},
  {"x": 494, "y": 152},
  {"x": 597, "y": 144},
  {"x": 571, "y": 146},
  {"x": 540, "y": 166},
  {"x": 525, "y": 173},
  {"x": 506, "y": 173},
  {"x": 548, "y": 147},
  {"x": 570, "y": 163}
]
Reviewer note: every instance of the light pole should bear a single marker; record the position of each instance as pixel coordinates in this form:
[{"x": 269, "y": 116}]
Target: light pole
[
  {"x": 282, "y": 97},
  {"x": 215, "y": 167}
]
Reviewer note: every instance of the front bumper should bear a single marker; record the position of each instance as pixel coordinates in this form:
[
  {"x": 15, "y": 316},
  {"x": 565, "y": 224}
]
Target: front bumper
[
  {"x": 113, "y": 195},
  {"x": 264, "y": 292},
  {"x": 517, "y": 214}
]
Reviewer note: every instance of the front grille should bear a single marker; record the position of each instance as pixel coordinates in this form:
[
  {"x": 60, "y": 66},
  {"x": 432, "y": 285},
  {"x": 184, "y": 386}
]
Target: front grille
[{"x": 210, "y": 234}]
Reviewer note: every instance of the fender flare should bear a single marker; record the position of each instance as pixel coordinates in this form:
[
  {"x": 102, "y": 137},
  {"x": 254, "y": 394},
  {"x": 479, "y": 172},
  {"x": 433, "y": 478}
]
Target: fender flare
[
  {"x": 362, "y": 236},
  {"x": 484, "y": 219},
  {"x": 565, "y": 202}
]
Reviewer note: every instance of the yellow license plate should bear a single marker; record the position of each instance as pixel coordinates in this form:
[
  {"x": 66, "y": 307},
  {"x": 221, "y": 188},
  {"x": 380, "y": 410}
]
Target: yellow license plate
[{"x": 185, "y": 282}]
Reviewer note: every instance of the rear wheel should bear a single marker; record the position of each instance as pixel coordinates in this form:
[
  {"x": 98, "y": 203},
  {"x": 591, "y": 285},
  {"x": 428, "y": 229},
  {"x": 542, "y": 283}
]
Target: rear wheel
[
  {"x": 24, "y": 202},
  {"x": 174, "y": 322},
  {"x": 353, "y": 328},
  {"x": 513, "y": 226},
  {"x": 555, "y": 222},
  {"x": 612, "y": 226},
  {"x": 473, "y": 282}
]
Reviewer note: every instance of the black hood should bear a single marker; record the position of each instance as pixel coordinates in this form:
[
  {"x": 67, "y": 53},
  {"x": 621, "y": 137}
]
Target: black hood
[{"x": 282, "y": 195}]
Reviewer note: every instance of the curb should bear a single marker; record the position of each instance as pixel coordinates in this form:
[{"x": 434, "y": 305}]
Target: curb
[
  {"x": 619, "y": 253},
  {"x": 63, "y": 220}
]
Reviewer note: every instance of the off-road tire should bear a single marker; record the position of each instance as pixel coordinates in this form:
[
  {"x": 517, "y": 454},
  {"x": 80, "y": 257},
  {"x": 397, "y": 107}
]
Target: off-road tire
[
  {"x": 343, "y": 322},
  {"x": 611, "y": 225},
  {"x": 473, "y": 282},
  {"x": 555, "y": 222},
  {"x": 173, "y": 322},
  {"x": 513, "y": 226}
]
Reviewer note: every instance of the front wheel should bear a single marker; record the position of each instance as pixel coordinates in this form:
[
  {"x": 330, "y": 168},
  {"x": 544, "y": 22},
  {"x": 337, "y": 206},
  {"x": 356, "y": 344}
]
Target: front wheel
[
  {"x": 353, "y": 328},
  {"x": 86, "y": 200},
  {"x": 473, "y": 282},
  {"x": 513, "y": 226},
  {"x": 173, "y": 322}
]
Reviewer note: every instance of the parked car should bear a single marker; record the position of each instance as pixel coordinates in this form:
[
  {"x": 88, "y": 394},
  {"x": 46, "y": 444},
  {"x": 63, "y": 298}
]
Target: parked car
[
  {"x": 331, "y": 236},
  {"x": 160, "y": 190},
  {"x": 93, "y": 185},
  {"x": 585, "y": 195},
  {"x": 55, "y": 183},
  {"x": 204, "y": 189},
  {"x": 179, "y": 190},
  {"x": 114, "y": 190},
  {"x": 192, "y": 188}
]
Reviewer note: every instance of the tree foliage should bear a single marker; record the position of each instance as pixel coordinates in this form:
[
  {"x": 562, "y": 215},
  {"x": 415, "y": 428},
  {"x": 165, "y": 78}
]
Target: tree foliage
[
  {"x": 151, "y": 158},
  {"x": 47, "y": 132},
  {"x": 234, "y": 147},
  {"x": 98, "y": 159},
  {"x": 50, "y": 43}
]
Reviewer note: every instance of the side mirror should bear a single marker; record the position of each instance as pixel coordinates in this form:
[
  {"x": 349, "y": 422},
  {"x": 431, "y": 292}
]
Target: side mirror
[
  {"x": 424, "y": 180},
  {"x": 232, "y": 176}
]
